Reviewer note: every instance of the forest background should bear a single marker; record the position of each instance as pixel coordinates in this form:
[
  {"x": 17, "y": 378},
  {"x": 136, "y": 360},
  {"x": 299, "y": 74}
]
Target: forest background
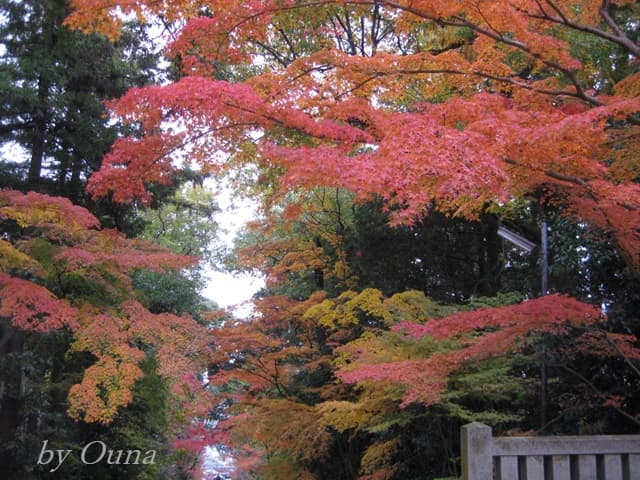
[{"x": 387, "y": 144}]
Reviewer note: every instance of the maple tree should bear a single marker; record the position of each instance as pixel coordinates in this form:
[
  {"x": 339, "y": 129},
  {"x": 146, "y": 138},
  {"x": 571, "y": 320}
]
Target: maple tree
[
  {"x": 300, "y": 244},
  {"x": 357, "y": 376},
  {"x": 512, "y": 88},
  {"x": 62, "y": 273}
]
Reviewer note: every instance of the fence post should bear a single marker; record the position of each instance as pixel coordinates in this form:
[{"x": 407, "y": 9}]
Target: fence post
[{"x": 477, "y": 461}]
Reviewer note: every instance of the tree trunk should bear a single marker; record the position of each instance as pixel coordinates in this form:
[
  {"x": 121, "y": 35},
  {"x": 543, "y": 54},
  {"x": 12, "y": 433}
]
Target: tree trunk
[
  {"x": 74, "y": 191},
  {"x": 490, "y": 258},
  {"x": 39, "y": 133},
  {"x": 11, "y": 347},
  {"x": 41, "y": 113}
]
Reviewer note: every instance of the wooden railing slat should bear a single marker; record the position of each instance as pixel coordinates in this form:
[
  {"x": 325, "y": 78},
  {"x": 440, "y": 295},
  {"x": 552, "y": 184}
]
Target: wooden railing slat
[
  {"x": 612, "y": 466},
  {"x": 507, "y": 468},
  {"x": 534, "y": 468},
  {"x": 567, "y": 445},
  {"x": 561, "y": 468},
  {"x": 587, "y": 467},
  {"x": 632, "y": 467}
]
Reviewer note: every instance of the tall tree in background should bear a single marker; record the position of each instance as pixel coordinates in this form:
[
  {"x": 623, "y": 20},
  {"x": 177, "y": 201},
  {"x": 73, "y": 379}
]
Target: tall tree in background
[{"x": 53, "y": 81}]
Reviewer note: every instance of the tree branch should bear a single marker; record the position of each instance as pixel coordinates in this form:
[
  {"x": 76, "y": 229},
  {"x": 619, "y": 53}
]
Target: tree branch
[
  {"x": 598, "y": 393},
  {"x": 554, "y": 175},
  {"x": 617, "y": 37},
  {"x": 12, "y": 127}
]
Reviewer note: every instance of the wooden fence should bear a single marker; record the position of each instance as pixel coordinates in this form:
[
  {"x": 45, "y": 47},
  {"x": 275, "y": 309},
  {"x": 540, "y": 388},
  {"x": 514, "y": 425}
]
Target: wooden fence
[{"x": 600, "y": 457}]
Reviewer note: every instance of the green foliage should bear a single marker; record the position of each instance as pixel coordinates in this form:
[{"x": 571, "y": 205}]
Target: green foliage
[
  {"x": 501, "y": 299},
  {"x": 53, "y": 81},
  {"x": 169, "y": 291},
  {"x": 415, "y": 306},
  {"x": 447, "y": 258},
  {"x": 185, "y": 223},
  {"x": 489, "y": 392}
]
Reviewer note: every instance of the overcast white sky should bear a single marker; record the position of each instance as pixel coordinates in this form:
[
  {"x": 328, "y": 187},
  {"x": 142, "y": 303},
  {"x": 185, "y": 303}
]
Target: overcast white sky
[{"x": 226, "y": 289}]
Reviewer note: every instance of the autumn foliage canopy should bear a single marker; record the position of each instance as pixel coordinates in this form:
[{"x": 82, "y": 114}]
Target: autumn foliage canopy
[
  {"x": 517, "y": 111},
  {"x": 54, "y": 248}
]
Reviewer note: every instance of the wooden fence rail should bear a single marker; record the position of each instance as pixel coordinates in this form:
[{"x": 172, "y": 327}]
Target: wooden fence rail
[{"x": 600, "y": 457}]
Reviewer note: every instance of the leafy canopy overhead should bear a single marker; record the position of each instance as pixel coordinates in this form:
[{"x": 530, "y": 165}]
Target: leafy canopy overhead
[{"x": 457, "y": 103}]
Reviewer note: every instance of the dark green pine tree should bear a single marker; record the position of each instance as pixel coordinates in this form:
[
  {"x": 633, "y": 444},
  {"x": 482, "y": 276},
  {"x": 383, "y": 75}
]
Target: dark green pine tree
[{"x": 52, "y": 84}]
